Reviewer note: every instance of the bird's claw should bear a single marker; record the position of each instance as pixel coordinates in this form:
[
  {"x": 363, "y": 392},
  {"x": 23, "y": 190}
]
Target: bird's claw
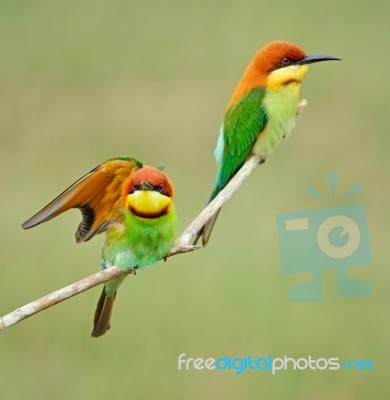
[{"x": 133, "y": 271}]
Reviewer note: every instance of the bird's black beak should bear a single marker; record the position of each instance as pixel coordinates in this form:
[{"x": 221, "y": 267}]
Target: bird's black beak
[
  {"x": 145, "y": 185},
  {"x": 313, "y": 58}
]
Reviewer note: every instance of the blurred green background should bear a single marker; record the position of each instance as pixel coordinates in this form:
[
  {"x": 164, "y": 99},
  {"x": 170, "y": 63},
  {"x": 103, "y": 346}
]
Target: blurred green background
[{"x": 83, "y": 81}]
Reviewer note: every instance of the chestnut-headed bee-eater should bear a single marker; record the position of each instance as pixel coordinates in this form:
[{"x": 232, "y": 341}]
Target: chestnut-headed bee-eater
[
  {"x": 134, "y": 205},
  {"x": 261, "y": 111}
]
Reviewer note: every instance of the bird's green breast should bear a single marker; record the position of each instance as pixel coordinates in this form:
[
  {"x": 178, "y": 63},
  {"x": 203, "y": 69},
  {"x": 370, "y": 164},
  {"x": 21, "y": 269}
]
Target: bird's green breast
[
  {"x": 139, "y": 241},
  {"x": 281, "y": 107}
]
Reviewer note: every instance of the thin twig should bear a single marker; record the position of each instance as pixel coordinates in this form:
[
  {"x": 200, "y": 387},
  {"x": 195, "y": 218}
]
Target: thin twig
[{"x": 182, "y": 246}]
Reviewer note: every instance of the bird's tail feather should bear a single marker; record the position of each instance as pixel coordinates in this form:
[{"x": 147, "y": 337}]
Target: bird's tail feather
[
  {"x": 101, "y": 322},
  {"x": 208, "y": 228},
  {"x": 205, "y": 231}
]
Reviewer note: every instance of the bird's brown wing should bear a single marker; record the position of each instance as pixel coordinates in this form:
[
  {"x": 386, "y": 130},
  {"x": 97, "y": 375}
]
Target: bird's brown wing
[{"x": 97, "y": 195}]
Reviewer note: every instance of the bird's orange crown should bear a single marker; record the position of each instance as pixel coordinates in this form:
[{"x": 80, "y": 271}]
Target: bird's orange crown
[
  {"x": 154, "y": 176},
  {"x": 269, "y": 58}
]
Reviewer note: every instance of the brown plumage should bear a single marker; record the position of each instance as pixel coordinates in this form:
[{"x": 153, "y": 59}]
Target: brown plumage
[{"x": 97, "y": 195}]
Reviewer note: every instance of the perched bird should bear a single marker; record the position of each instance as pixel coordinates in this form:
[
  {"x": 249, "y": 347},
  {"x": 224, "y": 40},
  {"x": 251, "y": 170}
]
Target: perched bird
[
  {"x": 134, "y": 205},
  {"x": 261, "y": 111}
]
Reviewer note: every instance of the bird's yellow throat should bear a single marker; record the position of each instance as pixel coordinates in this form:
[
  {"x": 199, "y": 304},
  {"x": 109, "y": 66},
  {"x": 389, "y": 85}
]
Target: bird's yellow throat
[
  {"x": 148, "y": 204},
  {"x": 284, "y": 76}
]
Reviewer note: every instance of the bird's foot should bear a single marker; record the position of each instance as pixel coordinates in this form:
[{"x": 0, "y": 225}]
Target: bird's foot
[
  {"x": 262, "y": 160},
  {"x": 133, "y": 271},
  {"x": 165, "y": 258}
]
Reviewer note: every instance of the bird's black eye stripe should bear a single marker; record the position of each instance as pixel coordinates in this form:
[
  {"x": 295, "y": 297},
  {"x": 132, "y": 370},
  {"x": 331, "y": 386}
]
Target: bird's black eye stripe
[
  {"x": 158, "y": 188},
  {"x": 161, "y": 189},
  {"x": 284, "y": 62},
  {"x": 134, "y": 188}
]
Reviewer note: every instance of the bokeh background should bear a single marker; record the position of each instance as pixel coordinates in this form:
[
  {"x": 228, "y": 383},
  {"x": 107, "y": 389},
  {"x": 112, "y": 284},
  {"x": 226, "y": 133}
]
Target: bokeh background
[{"x": 82, "y": 81}]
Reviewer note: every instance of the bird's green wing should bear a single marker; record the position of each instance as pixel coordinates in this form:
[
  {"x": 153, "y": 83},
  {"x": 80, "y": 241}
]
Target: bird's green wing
[
  {"x": 97, "y": 195},
  {"x": 243, "y": 123}
]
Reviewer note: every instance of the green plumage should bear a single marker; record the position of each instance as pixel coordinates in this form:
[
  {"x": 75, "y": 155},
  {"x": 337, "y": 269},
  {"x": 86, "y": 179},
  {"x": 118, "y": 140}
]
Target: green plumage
[
  {"x": 139, "y": 241},
  {"x": 241, "y": 127},
  {"x": 133, "y": 244},
  {"x": 255, "y": 124}
]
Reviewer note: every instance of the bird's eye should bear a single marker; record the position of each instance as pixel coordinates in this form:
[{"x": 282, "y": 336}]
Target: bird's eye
[
  {"x": 285, "y": 61},
  {"x": 136, "y": 187},
  {"x": 160, "y": 187}
]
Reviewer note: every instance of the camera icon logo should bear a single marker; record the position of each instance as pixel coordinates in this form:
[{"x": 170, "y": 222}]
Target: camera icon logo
[
  {"x": 339, "y": 227},
  {"x": 334, "y": 237}
]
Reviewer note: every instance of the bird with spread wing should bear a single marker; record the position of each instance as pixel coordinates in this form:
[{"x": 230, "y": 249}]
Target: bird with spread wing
[{"x": 134, "y": 205}]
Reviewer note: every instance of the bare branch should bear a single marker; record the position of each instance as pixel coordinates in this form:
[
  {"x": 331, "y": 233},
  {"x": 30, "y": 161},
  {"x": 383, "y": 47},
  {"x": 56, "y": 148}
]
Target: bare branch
[
  {"x": 182, "y": 246},
  {"x": 58, "y": 296}
]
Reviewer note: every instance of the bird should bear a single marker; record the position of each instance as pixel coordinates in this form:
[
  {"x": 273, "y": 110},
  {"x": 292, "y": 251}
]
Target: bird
[
  {"x": 134, "y": 205},
  {"x": 260, "y": 113}
]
